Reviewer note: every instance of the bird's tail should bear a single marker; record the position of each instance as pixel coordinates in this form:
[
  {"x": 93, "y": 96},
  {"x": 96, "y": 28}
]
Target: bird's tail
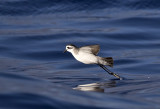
[{"x": 107, "y": 61}]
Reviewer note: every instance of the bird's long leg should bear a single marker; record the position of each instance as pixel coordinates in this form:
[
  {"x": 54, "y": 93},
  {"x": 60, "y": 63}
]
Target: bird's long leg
[{"x": 111, "y": 73}]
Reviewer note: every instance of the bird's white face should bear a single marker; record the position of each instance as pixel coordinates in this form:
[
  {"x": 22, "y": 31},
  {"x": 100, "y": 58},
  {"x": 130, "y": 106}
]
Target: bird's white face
[{"x": 70, "y": 48}]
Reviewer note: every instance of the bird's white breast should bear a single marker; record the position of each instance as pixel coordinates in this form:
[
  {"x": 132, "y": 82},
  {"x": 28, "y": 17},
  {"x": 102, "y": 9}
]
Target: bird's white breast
[{"x": 86, "y": 58}]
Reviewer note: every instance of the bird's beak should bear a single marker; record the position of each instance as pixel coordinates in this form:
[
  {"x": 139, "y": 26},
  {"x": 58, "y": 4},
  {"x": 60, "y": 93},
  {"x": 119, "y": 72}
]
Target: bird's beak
[{"x": 65, "y": 51}]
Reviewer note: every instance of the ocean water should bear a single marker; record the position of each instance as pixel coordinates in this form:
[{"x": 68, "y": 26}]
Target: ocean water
[{"x": 36, "y": 74}]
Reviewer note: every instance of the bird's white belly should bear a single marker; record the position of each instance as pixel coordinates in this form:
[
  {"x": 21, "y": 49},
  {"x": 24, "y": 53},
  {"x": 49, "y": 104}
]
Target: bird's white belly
[{"x": 86, "y": 58}]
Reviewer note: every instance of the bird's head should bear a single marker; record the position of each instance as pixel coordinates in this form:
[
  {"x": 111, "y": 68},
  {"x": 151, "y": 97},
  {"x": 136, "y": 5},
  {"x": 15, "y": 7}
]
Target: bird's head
[{"x": 70, "y": 48}]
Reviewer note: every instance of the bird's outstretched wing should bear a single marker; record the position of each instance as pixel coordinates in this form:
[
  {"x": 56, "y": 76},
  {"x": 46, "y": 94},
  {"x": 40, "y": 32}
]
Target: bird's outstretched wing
[{"x": 91, "y": 48}]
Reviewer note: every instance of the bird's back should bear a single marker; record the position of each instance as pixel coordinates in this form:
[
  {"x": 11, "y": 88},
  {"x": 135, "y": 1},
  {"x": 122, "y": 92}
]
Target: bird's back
[{"x": 94, "y": 49}]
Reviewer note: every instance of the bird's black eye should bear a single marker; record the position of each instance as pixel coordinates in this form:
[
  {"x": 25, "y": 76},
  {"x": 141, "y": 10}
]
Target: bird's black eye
[{"x": 68, "y": 47}]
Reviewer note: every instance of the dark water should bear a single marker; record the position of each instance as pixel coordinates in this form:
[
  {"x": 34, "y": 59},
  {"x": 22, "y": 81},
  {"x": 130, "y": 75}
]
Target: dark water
[{"x": 35, "y": 74}]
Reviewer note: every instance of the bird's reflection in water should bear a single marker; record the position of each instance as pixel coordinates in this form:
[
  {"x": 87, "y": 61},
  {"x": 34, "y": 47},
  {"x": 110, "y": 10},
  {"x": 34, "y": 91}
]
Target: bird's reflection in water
[{"x": 96, "y": 87}]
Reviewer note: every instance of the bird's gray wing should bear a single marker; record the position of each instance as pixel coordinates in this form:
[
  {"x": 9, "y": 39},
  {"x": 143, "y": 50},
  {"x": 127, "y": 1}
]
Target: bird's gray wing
[{"x": 91, "y": 49}]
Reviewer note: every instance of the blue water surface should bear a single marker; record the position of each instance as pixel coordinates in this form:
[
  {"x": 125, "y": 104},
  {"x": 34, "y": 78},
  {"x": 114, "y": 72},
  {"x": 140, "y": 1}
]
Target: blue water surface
[{"x": 36, "y": 74}]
